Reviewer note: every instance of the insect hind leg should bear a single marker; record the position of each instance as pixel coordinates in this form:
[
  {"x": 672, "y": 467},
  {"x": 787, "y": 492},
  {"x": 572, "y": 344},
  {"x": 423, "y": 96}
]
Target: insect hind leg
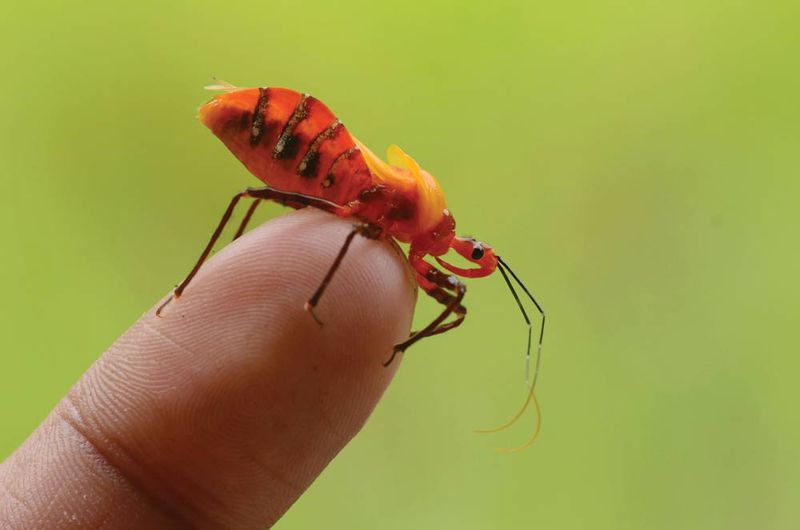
[
  {"x": 294, "y": 200},
  {"x": 246, "y": 219}
]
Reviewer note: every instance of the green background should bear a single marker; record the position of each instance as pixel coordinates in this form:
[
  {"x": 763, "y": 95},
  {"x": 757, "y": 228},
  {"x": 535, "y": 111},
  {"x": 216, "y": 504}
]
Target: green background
[{"x": 636, "y": 162}]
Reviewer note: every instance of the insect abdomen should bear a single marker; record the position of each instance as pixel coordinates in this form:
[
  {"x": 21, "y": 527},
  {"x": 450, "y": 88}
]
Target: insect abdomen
[{"x": 290, "y": 141}]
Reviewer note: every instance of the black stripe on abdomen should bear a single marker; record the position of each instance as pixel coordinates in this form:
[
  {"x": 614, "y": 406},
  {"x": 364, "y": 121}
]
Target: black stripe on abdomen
[
  {"x": 287, "y": 144},
  {"x": 328, "y": 182},
  {"x": 309, "y": 165},
  {"x": 257, "y": 129}
]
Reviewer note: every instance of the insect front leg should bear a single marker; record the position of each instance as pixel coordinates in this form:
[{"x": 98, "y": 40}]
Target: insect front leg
[
  {"x": 435, "y": 284},
  {"x": 444, "y": 298},
  {"x": 366, "y": 230},
  {"x": 295, "y": 200}
]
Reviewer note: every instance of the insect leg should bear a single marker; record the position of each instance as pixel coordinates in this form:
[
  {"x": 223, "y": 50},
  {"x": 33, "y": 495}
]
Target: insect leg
[
  {"x": 295, "y": 200},
  {"x": 437, "y": 278},
  {"x": 246, "y": 219},
  {"x": 444, "y": 298},
  {"x": 206, "y": 251},
  {"x": 367, "y": 230}
]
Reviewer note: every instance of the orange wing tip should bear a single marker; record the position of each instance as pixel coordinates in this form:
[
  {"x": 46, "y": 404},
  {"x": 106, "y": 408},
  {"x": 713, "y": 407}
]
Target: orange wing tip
[
  {"x": 222, "y": 86},
  {"x": 398, "y": 157},
  {"x": 382, "y": 171}
]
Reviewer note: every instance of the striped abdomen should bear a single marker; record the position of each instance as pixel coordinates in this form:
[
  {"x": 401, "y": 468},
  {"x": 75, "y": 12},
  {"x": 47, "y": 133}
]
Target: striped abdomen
[{"x": 290, "y": 141}]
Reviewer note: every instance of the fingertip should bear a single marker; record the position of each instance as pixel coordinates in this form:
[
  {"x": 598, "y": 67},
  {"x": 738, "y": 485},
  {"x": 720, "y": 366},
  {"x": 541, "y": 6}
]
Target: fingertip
[{"x": 223, "y": 410}]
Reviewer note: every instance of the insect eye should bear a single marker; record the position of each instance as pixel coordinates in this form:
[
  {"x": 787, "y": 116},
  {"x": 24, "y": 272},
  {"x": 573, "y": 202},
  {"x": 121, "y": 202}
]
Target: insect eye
[{"x": 477, "y": 252}]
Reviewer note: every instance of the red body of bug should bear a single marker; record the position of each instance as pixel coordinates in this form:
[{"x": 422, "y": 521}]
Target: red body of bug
[
  {"x": 306, "y": 157},
  {"x": 294, "y": 143}
]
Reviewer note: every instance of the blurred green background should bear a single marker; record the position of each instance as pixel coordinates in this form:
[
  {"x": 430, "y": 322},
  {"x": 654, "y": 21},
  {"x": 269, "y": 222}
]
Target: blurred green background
[{"x": 636, "y": 162}]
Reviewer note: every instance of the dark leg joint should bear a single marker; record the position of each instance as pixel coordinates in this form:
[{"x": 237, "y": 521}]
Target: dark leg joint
[{"x": 397, "y": 349}]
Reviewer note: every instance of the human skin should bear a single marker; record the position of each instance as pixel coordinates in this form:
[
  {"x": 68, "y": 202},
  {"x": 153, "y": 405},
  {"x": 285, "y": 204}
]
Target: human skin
[{"x": 223, "y": 411}]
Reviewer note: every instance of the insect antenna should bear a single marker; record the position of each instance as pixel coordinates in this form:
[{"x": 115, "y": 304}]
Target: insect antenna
[{"x": 503, "y": 267}]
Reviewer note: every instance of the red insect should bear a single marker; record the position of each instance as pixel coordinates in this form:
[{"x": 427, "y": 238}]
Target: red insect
[{"x": 306, "y": 157}]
